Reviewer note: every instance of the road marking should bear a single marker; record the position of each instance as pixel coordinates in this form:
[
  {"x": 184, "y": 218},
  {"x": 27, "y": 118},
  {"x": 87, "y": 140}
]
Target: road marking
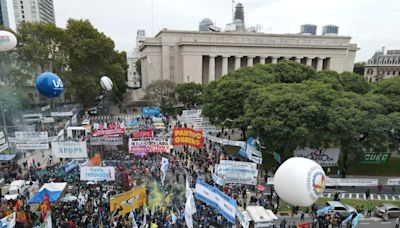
[
  {"x": 365, "y": 223},
  {"x": 379, "y": 197},
  {"x": 386, "y": 222},
  {"x": 329, "y": 195},
  {"x": 386, "y": 197},
  {"x": 357, "y": 196}
]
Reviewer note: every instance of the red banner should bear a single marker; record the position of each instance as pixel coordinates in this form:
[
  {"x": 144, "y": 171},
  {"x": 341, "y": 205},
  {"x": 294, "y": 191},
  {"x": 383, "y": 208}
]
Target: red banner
[
  {"x": 187, "y": 137},
  {"x": 142, "y": 134},
  {"x": 117, "y": 131},
  {"x": 304, "y": 225}
]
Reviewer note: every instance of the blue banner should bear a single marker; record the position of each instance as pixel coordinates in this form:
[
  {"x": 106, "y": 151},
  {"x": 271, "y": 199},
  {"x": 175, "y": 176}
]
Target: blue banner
[
  {"x": 151, "y": 111},
  {"x": 70, "y": 166}
]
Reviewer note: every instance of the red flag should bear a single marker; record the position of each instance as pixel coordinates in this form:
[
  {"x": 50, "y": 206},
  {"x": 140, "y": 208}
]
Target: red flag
[{"x": 44, "y": 206}]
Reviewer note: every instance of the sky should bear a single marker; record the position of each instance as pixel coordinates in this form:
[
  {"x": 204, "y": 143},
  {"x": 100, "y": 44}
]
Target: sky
[{"x": 372, "y": 24}]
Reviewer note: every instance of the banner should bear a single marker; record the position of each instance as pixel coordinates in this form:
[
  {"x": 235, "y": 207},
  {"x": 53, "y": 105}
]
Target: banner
[
  {"x": 325, "y": 157},
  {"x": 234, "y": 172},
  {"x": 8, "y": 221},
  {"x": 69, "y": 149},
  {"x": 191, "y": 113},
  {"x": 117, "y": 131},
  {"x": 130, "y": 200},
  {"x": 31, "y": 146},
  {"x": 61, "y": 114},
  {"x": 106, "y": 141},
  {"x": 152, "y": 145},
  {"x": 250, "y": 151},
  {"x": 217, "y": 199},
  {"x": 3, "y": 147},
  {"x": 376, "y": 158},
  {"x": 345, "y": 182},
  {"x": 151, "y": 111},
  {"x": 225, "y": 141},
  {"x": 97, "y": 173},
  {"x": 187, "y": 137},
  {"x": 142, "y": 134},
  {"x": 31, "y": 134},
  {"x": 70, "y": 166},
  {"x": 242, "y": 219},
  {"x": 393, "y": 181}
]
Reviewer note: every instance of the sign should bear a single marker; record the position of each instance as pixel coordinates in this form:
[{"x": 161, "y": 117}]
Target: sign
[
  {"x": 118, "y": 131},
  {"x": 225, "y": 141},
  {"x": 345, "y": 182},
  {"x": 31, "y": 135},
  {"x": 61, "y": 114},
  {"x": 3, "y": 147},
  {"x": 191, "y": 113},
  {"x": 394, "y": 181},
  {"x": 242, "y": 219},
  {"x": 70, "y": 166},
  {"x": 142, "y": 134},
  {"x": 47, "y": 120},
  {"x": 325, "y": 157},
  {"x": 44, "y": 108},
  {"x": 213, "y": 197},
  {"x": 151, "y": 111},
  {"x": 376, "y": 158},
  {"x": 236, "y": 172},
  {"x": 152, "y": 145},
  {"x": 277, "y": 157},
  {"x": 107, "y": 141},
  {"x": 187, "y": 137},
  {"x": 159, "y": 125},
  {"x": 97, "y": 173},
  {"x": 69, "y": 149},
  {"x": 32, "y": 146},
  {"x": 130, "y": 200}
]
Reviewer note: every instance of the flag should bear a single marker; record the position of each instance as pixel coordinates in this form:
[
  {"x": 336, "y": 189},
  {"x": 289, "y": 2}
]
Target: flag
[
  {"x": 128, "y": 201},
  {"x": 173, "y": 218},
  {"x": 190, "y": 207},
  {"x": 133, "y": 222},
  {"x": 44, "y": 206},
  {"x": 164, "y": 168},
  {"x": 145, "y": 213},
  {"x": 47, "y": 222},
  {"x": 8, "y": 221}
]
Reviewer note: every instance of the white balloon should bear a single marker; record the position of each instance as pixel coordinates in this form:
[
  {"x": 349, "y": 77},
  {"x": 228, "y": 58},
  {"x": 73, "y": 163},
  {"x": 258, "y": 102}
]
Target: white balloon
[
  {"x": 8, "y": 41},
  {"x": 299, "y": 181},
  {"x": 106, "y": 83}
]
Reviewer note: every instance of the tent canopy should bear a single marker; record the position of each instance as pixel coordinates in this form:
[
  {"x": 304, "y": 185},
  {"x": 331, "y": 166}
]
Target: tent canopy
[
  {"x": 54, "y": 186},
  {"x": 39, "y": 196}
]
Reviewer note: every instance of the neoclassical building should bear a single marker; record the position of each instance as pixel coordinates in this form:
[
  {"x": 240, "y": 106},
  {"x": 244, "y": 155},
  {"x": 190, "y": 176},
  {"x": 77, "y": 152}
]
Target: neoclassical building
[
  {"x": 383, "y": 65},
  {"x": 191, "y": 56}
]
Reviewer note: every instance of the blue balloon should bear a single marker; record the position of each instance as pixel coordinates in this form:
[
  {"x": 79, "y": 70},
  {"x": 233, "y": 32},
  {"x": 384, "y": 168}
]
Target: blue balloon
[{"x": 49, "y": 85}]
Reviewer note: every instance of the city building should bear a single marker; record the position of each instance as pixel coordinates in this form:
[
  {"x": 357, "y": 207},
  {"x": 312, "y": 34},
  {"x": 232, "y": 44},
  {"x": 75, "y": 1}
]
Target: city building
[
  {"x": 4, "y": 14},
  {"x": 34, "y": 11},
  {"x": 383, "y": 65},
  {"x": 239, "y": 12},
  {"x": 237, "y": 24},
  {"x": 133, "y": 79},
  {"x": 205, "y": 24},
  {"x": 308, "y": 29},
  {"x": 330, "y": 30},
  {"x": 191, "y": 56}
]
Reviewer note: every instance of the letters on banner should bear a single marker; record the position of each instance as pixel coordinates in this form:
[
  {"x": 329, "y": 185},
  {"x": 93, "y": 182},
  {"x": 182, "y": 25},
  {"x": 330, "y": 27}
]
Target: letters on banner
[
  {"x": 106, "y": 141},
  {"x": 97, "y": 173},
  {"x": 69, "y": 149},
  {"x": 130, "y": 200},
  {"x": 152, "y": 145},
  {"x": 142, "y": 134},
  {"x": 235, "y": 172},
  {"x": 31, "y": 134},
  {"x": 187, "y": 137},
  {"x": 32, "y": 146},
  {"x": 325, "y": 157},
  {"x": 151, "y": 111},
  {"x": 217, "y": 199},
  {"x": 117, "y": 131}
]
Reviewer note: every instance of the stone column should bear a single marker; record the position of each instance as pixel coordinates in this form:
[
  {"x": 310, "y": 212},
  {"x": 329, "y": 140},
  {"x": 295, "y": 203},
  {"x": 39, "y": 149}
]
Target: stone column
[
  {"x": 309, "y": 61},
  {"x": 224, "y": 65},
  {"x": 211, "y": 69},
  {"x": 319, "y": 64},
  {"x": 250, "y": 61},
  {"x": 298, "y": 59},
  {"x": 237, "y": 62},
  {"x": 262, "y": 60},
  {"x": 274, "y": 59}
]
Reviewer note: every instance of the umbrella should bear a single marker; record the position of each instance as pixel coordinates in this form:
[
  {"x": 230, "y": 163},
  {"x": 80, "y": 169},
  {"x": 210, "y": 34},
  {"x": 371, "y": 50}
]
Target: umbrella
[
  {"x": 261, "y": 187},
  {"x": 90, "y": 182},
  {"x": 69, "y": 198}
]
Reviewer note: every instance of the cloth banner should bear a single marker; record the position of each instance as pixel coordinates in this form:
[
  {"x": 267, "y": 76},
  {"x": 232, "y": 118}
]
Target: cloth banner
[
  {"x": 69, "y": 149},
  {"x": 250, "y": 151},
  {"x": 97, "y": 173},
  {"x": 142, "y": 134},
  {"x": 31, "y": 135},
  {"x": 8, "y": 221},
  {"x": 32, "y": 146},
  {"x": 235, "y": 172},
  {"x": 151, "y": 111},
  {"x": 70, "y": 166},
  {"x": 164, "y": 169},
  {"x": 217, "y": 199},
  {"x": 117, "y": 131},
  {"x": 151, "y": 145},
  {"x": 242, "y": 219},
  {"x": 225, "y": 142},
  {"x": 130, "y": 200},
  {"x": 106, "y": 141},
  {"x": 187, "y": 137},
  {"x": 325, "y": 157}
]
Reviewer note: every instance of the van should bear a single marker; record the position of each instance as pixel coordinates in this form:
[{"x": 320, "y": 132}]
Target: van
[{"x": 15, "y": 189}]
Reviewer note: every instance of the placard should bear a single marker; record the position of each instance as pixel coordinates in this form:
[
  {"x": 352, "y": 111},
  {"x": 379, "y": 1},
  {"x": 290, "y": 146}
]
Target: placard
[
  {"x": 187, "y": 137},
  {"x": 61, "y": 114},
  {"x": 69, "y": 149},
  {"x": 97, "y": 173}
]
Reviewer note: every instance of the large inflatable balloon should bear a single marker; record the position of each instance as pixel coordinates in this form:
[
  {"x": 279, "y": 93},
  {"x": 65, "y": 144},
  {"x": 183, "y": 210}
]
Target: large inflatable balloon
[
  {"x": 299, "y": 181},
  {"x": 49, "y": 85},
  {"x": 8, "y": 41},
  {"x": 106, "y": 83}
]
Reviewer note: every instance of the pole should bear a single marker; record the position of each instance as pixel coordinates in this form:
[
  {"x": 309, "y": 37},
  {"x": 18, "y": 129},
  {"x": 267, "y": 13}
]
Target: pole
[{"x": 4, "y": 121}]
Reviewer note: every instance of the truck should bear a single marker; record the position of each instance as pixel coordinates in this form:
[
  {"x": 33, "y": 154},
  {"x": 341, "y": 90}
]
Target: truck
[{"x": 16, "y": 188}]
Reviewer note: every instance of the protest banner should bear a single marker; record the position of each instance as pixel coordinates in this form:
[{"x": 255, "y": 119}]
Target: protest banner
[
  {"x": 69, "y": 149},
  {"x": 31, "y": 135},
  {"x": 187, "y": 137},
  {"x": 32, "y": 146},
  {"x": 97, "y": 173},
  {"x": 151, "y": 111},
  {"x": 142, "y": 134},
  {"x": 130, "y": 200},
  {"x": 116, "y": 131},
  {"x": 151, "y": 145},
  {"x": 106, "y": 141},
  {"x": 325, "y": 157},
  {"x": 235, "y": 172}
]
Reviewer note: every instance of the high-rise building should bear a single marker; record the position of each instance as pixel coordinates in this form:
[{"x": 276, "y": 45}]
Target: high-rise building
[
  {"x": 34, "y": 11},
  {"x": 4, "y": 14},
  {"x": 239, "y": 12},
  {"x": 205, "y": 24},
  {"x": 133, "y": 78},
  {"x": 308, "y": 29},
  {"x": 330, "y": 30}
]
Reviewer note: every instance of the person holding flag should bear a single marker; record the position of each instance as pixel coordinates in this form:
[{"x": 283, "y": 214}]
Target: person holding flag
[{"x": 44, "y": 206}]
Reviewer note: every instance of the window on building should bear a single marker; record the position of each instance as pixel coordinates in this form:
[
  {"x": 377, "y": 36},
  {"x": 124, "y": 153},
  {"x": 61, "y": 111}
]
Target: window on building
[
  {"x": 22, "y": 7},
  {"x": 390, "y": 61},
  {"x": 21, "y": 2},
  {"x": 384, "y": 62}
]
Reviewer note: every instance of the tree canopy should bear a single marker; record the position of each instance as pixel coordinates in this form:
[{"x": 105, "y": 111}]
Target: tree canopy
[{"x": 190, "y": 94}]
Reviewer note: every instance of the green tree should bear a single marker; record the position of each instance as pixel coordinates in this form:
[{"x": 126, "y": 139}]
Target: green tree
[
  {"x": 190, "y": 94},
  {"x": 359, "y": 68},
  {"x": 354, "y": 83},
  {"x": 12, "y": 101},
  {"x": 162, "y": 92}
]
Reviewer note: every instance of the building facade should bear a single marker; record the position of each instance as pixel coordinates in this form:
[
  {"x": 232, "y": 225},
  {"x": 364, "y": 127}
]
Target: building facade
[
  {"x": 308, "y": 29},
  {"x": 133, "y": 78},
  {"x": 383, "y": 65},
  {"x": 330, "y": 30},
  {"x": 4, "y": 14},
  {"x": 189, "y": 56},
  {"x": 34, "y": 11}
]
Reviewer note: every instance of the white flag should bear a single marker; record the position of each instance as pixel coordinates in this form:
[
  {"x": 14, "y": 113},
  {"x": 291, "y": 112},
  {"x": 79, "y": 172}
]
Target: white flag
[
  {"x": 47, "y": 222},
  {"x": 8, "y": 221},
  {"x": 190, "y": 206}
]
